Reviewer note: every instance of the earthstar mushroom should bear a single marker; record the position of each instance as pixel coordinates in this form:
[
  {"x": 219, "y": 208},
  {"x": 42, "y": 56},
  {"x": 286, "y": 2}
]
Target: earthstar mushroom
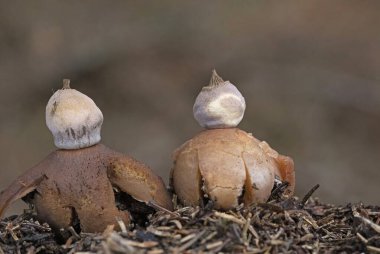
[
  {"x": 74, "y": 185},
  {"x": 223, "y": 163}
]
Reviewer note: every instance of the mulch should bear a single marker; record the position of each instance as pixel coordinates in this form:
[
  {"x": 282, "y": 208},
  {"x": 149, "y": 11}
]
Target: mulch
[{"x": 282, "y": 225}]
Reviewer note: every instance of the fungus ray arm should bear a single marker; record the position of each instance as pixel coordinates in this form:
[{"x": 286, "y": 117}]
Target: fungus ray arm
[
  {"x": 139, "y": 181},
  {"x": 18, "y": 189},
  {"x": 286, "y": 166}
]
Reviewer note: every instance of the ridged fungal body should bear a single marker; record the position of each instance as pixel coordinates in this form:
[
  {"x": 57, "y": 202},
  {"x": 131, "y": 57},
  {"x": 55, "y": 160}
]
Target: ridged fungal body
[
  {"x": 223, "y": 163},
  {"x": 76, "y": 184}
]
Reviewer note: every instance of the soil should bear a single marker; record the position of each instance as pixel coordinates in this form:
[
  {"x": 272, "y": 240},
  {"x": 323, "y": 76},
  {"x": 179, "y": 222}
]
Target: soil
[{"x": 282, "y": 225}]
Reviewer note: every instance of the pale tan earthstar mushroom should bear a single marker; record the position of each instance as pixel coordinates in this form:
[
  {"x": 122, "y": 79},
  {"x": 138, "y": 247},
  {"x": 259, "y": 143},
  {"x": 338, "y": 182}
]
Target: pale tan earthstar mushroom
[
  {"x": 223, "y": 163},
  {"x": 74, "y": 185}
]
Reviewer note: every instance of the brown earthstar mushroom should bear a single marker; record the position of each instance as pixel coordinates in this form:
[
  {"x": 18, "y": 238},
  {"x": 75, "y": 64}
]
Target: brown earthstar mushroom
[
  {"x": 223, "y": 163},
  {"x": 74, "y": 185}
]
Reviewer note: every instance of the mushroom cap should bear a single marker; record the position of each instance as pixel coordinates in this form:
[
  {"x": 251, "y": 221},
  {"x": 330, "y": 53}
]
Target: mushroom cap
[
  {"x": 219, "y": 105},
  {"x": 229, "y": 166},
  {"x": 74, "y": 119}
]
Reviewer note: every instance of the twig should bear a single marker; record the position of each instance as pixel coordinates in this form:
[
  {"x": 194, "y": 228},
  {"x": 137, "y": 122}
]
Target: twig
[
  {"x": 362, "y": 238},
  {"x": 373, "y": 249},
  {"x": 214, "y": 245},
  {"x": 308, "y": 195},
  {"x": 73, "y": 232},
  {"x": 373, "y": 225},
  {"x": 191, "y": 242},
  {"x": 121, "y": 225},
  {"x": 160, "y": 208},
  {"x": 229, "y": 217},
  {"x": 245, "y": 228},
  {"x": 279, "y": 189}
]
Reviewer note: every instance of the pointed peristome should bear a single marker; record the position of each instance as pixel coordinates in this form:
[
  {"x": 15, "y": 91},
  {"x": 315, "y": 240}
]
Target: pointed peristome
[
  {"x": 215, "y": 79},
  {"x": 66, "y": 84}
]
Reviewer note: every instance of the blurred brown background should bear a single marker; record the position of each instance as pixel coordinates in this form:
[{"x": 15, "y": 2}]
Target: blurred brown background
[{"x": 309, "y": 71}]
